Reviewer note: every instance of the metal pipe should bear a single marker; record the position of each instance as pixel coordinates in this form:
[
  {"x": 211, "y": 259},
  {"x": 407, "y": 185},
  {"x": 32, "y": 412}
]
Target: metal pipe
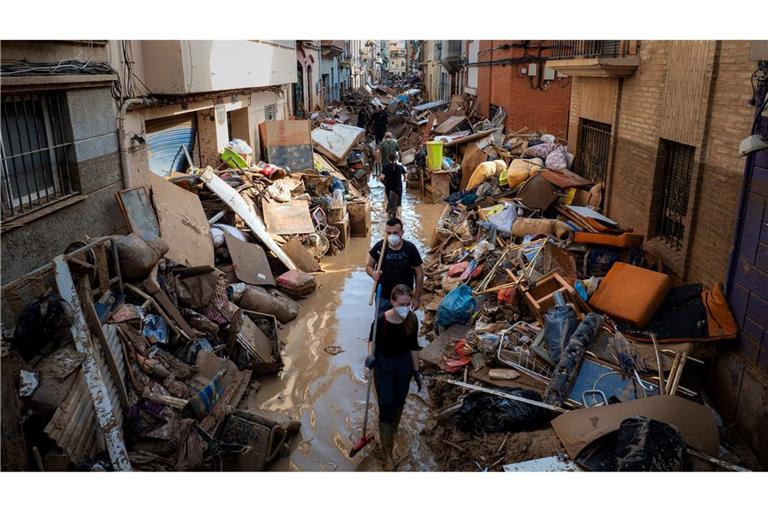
[{"x": 127, "y": 183}]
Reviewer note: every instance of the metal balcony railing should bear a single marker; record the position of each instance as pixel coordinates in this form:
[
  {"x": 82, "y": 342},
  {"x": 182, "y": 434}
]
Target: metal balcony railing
[{"x": 573, "y": 49}]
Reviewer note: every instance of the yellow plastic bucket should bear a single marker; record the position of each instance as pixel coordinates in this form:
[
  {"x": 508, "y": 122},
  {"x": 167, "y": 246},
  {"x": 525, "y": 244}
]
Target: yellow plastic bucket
[{"x": 434, "y": 155}]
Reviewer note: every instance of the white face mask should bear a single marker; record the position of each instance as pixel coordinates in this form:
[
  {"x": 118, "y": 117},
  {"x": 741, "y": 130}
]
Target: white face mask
[
  {"x": 393, "y": 239},
  {"x": 403, "y": 311}
]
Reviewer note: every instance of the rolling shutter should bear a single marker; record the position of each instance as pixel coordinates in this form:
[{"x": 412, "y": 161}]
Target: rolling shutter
[{"x": 164, "y": 142}]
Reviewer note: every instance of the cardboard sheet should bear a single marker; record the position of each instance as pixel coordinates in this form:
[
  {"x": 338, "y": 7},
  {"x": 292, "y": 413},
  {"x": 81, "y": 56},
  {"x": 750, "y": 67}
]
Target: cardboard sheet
[
  {"x": 183, "y": 224},
  {"x": 337, "y": 142},
  {"x": 301, "y": 256},
  {"x": 565, "y": 178},
  {"x": 288, "y": 144},
  {"x": 291, "y": 218},
  {"x": 250, "y": 262},
  {"x": 576, "y": 429}
]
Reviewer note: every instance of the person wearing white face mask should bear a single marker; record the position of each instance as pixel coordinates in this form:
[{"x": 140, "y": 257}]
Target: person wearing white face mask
[
  {"x": 402, "y": 264},
  {"x": 394, "y": 363}
]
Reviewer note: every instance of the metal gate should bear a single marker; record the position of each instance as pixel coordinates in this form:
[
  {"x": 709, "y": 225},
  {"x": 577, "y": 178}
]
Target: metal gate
[
  {"x": 593, "y": 150},
  {"x": 165, "y": 138}
]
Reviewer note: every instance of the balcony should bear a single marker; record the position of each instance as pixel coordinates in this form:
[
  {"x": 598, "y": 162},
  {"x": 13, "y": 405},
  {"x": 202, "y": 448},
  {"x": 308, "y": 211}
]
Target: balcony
[
  {"x": 192, "y": 67},
  {"x": 451, "y": 55},
  {"x": 598, "y": 58}
]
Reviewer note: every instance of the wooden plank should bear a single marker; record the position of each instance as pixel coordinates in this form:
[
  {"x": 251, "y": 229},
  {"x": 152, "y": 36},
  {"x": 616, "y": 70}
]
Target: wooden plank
[
  {"x": 183, "y": 224},
  {"x": 250, "y": 262}
]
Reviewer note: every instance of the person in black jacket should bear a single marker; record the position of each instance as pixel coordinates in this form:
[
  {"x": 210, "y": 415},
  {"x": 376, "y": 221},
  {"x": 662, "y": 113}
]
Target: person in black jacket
[
  {"x": 392, "y": 176},
  {"x": 394, "y": 362},
  {"x": 380, "y": 121}
]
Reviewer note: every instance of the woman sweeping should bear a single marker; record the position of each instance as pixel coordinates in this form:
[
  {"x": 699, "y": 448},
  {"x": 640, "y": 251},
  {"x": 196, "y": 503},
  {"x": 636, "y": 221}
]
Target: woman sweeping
[{"x": 394, "y": 361}]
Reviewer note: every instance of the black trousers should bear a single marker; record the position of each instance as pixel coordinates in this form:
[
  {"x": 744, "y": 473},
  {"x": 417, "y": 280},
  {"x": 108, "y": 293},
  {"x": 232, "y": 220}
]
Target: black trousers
[{"x": 392, "y": 377}]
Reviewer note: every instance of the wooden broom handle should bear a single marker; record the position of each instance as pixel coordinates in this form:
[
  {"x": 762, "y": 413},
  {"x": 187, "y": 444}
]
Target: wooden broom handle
[{"x": 378, "y": 268}]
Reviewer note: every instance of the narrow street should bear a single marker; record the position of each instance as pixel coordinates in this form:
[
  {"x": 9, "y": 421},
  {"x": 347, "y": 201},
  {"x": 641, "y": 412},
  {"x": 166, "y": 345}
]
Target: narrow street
[{"x": 328, "y": 392}]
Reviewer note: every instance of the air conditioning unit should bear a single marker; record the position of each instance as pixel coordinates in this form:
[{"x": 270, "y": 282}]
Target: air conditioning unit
[{"x": 533, "y": 69}]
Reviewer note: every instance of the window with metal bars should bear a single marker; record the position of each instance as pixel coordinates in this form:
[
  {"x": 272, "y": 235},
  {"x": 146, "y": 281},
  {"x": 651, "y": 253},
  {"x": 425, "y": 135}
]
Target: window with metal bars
[
  {"x": 673, "y": 173},
  {"x": 37, "y": 152},
  {"x": 593, "y": 150}
]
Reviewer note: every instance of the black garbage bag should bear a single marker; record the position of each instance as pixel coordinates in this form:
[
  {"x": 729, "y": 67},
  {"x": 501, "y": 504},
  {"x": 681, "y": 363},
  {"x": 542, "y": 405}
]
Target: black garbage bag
[
  {"x": 648, "y": 445},
  {"x": 44, "y": 321},
  {"x": 482, "y": 412}
]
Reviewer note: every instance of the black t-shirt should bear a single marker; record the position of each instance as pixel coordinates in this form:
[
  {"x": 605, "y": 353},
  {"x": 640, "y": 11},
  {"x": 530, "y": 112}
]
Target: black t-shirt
[
  {"x": 391, "y": 339},
  {"x": 398, "y": 266},
  {"x": 393, "y": 177}
]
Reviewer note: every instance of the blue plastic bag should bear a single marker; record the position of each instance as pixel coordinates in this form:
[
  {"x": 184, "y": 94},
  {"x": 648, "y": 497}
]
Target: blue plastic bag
[{"x": 456, "y": 307}]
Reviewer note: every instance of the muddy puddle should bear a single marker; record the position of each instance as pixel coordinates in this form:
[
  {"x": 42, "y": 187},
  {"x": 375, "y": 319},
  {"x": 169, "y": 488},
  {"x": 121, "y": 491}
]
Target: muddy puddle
[{"x": 327, "y": 392}]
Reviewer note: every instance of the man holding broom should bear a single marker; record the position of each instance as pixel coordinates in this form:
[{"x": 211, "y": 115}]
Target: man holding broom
[{"x": 400, "y": 263}]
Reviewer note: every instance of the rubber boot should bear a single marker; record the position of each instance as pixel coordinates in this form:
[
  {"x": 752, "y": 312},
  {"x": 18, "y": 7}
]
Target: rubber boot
[
  {"x": 387, "y": 437},
  {"x": 396, "y": 424}
]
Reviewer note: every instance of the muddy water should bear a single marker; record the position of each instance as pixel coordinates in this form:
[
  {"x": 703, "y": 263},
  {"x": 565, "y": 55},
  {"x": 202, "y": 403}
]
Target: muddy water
[{"x": 327, "y": 392}]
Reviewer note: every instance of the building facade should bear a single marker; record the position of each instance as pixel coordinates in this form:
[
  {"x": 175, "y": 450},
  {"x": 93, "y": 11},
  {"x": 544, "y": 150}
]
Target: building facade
[
  {"x": 431, "y": 69},
  {"x": 60, "y": 157},
  {"x": 397, "y": 58},
  {"x": 513, "y": 75},
  {"x": 121, "y": 110},
  {"x": 330, "y": 56},
  {"x": 307, "y": 89},
  {"x": 660, "y": 123}
]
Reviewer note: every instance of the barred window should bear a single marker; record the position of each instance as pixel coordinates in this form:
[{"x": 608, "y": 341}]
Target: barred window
[
  {"x": 593, "y": 150},
  {"x": 270, "y": 112},
  {"x": 37, "y": 150},
  {"x": 673, "y": 173}
]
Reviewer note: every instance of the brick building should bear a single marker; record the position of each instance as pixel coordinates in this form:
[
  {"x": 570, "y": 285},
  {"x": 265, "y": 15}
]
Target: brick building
[
  {"x": 660, "y": 123},
  {"x": 512, "y": 75}
]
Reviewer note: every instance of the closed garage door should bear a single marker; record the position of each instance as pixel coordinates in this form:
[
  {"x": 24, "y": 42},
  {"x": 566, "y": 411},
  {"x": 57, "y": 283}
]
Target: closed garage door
[{"x": 165, "y": 138}]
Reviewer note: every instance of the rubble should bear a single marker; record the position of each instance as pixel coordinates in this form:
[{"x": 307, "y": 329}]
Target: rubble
[
  {"x": 521, "y": 243},
  {"x": 137, "y": 349}
]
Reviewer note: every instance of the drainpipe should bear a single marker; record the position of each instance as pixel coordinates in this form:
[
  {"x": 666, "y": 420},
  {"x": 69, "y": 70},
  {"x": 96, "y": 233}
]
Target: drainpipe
[{"x": 121, "y": 135}]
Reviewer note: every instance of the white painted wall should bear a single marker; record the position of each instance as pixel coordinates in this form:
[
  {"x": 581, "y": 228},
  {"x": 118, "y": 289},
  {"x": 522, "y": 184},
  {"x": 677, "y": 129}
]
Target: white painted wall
[{"x": 188, "y": 67}]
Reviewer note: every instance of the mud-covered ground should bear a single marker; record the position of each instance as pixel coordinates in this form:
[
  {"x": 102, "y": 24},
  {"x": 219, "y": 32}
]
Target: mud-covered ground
[{"x": 327, "y": 392}]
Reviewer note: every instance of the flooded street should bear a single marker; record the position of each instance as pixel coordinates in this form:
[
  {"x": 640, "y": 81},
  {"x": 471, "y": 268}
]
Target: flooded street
[{"x": 327, "y": 392}]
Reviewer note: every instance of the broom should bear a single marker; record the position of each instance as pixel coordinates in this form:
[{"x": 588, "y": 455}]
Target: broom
[{"x": 363, "y": 441}]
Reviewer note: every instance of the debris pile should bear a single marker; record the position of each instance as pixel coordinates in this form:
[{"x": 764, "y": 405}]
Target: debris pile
[
  {"x": 139, "y": 351},
  {"x": 538, "y": 306}
]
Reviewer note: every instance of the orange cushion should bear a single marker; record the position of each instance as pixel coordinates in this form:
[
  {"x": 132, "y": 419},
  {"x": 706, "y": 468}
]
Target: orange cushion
[
  {"x": 623, "y": 240},
  {"x": 630, "y": 293}
]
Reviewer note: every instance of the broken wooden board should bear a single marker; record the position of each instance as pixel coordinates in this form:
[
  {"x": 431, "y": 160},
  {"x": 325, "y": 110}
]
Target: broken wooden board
[
  {"x": 291, "y": 218},
  {"x": 450, "y": 124},
  {"x": 183, "y": 224},
  {"x": 250, "y": 262},
  {"x": 301, "y": 256},
  {"x": 469, "y": 138},
  {"x": 239, "y": 206},
  {"x": 696, "y": 423},
  {"x": 288, "y": 144},
  {"x": 337, "y": 142},
  {"x": 434, "y": 353}
]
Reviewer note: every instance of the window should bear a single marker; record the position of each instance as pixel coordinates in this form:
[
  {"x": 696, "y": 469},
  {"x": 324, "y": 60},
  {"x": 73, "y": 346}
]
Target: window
[
  {"x": 270, "y": 112},
  {"x": 36, "y": 152},
  {"x": 593, "y": 150},
  {"x": 673, "y": 172}
]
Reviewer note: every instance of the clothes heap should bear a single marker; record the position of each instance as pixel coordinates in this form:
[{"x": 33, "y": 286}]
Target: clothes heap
[
  {"x": 575, "y": 344},
  {"x": 141, "y": 351}
]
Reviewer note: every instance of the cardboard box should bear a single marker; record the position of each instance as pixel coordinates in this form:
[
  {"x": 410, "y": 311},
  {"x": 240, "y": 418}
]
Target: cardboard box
[
  {"x": 359, "y": 217},
  {"x": 344, "y": 230}
]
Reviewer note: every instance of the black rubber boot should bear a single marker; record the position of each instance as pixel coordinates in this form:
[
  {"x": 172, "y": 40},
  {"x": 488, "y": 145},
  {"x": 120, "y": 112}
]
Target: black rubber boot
[{"x": 387, "y": 438}]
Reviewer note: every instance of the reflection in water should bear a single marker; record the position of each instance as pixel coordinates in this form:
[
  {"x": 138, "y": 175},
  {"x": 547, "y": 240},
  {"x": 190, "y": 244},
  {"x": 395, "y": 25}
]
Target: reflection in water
[{"x": 328, "y": 392}]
